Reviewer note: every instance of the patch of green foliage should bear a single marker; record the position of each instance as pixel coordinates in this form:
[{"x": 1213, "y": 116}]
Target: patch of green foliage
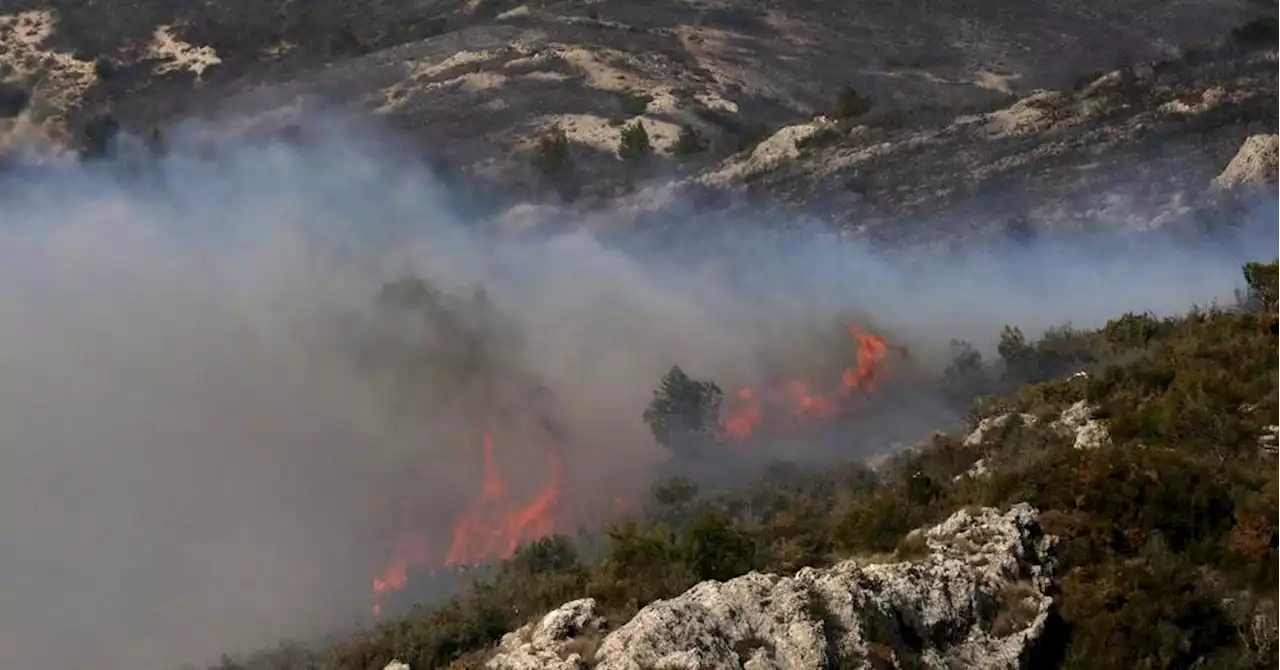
[
  {"x": 689, "y": 141},
  {"x": 635, "y": 104},
  {"x": 633, "y": 145},
  {"x": 1168, "y": 536},
  {"x": 1260, "y": 33},
  {"x": 850, "y": 104}
]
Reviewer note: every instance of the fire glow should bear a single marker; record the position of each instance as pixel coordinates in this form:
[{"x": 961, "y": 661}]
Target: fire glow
[
  {"x": 795, "y": 404},
  {"x": 491, "y": 527}
]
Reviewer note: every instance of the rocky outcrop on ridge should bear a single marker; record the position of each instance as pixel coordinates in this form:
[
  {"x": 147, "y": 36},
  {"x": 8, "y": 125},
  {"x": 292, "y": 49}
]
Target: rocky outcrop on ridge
[
  {"x": 1253, "y": 165},
  {"x": 969, "y": 592}
]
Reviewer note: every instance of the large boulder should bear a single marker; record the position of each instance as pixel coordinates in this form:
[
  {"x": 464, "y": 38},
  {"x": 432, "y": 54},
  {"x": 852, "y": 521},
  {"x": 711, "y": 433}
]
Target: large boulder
[
  {"x": 971, "y": 594},
  {"x": 1255, "y": 164}
]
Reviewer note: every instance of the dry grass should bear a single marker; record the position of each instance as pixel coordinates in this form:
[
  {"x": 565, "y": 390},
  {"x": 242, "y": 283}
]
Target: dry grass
[
  {"x": 1019, "y": 605},
  {"x": 585, "y": 646}
]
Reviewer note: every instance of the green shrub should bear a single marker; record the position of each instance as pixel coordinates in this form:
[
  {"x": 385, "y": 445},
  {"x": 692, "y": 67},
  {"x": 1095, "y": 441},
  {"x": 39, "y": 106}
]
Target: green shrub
[
  {"x": 1260, "y": 33},
  {"x": 635, "y": 104},
  {"x": 633, "y": 146},
  {"x": 690, "y": 141},
  {"x": 1167, "y": 539},
  {"x": 551, "y": 154},
  {"x": 850, "y": 104},
  {"x": 684, "y": 413}
]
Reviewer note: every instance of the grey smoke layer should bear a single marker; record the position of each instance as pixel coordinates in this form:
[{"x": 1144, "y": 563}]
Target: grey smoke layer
[{"x": 196, "y": 454}]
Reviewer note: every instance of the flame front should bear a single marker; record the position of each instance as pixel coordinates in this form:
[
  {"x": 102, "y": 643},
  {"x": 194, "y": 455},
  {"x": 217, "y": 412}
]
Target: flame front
[
  {"x": 794, "y": 404},
  {"x": 492, "y": 527},
  {"x": 410, "y": 552},
  {"x": 489, "y": 528}
]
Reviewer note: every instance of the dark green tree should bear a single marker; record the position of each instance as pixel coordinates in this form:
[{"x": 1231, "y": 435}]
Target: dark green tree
[
  {"x": 1262, "y": 281},
  {"x": 1018, "y": 356},
  {"x": 684, "y": 413},
  {"x": 551, "y": 155},
  {"x": 690, "y": 141},
  {"x": 965, "y": 377},
  {"x": 98, "y": 136},
  {"x": 849, "y": 104},
  {"x": 714, "y": 548},
  {"x": 634, "y": 144}
]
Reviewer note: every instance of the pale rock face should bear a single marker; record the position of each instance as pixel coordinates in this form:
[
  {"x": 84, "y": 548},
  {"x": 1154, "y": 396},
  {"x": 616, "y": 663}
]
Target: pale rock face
[
  {"x": 780, "y": 147},
  {"x": 1269, "y": 438},
  {"x": 984, "y": 428},
  {"x": 1255, "y": 164},
  {"x": 547, "y": 644},
  {"x": 397, "y": 665},
  {"x": 974, "y": 598},
  {"x": 1077, "y": 420}
]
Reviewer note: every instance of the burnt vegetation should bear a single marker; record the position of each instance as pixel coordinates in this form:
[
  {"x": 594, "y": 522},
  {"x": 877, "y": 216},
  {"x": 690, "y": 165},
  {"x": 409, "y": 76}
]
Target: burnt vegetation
[{"x": 1168, "y": 534}]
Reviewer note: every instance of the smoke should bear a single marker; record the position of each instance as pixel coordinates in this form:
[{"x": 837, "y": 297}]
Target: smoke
[{"x": 212, "y": 433}]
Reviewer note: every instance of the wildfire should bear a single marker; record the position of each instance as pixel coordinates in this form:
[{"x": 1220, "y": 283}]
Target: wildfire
[
  {"x": 489, "y": 528},
  {"x": 410, "y": 552},
  {"x": 492, "y": 527},
  {"x": 795, "y": 404}
]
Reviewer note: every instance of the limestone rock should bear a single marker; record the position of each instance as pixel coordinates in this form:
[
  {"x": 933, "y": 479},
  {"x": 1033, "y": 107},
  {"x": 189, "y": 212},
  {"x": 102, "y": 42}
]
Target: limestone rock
[
  {"x": 551, "y": 642},
  {"x": 782, "y": 146},
  {"x": 1270, "y": 437},
  {"x": 1255, "y": 164},
  {"x": 396, "y": 665},
  {"x": 984, "y": 428},
  {"x": 974, "y": 598},
  {"x": 1077, "y": 421}
]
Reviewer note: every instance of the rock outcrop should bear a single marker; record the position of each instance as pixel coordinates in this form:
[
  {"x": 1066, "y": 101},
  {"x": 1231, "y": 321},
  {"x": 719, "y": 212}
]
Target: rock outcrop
[
  {"x": 986, "y": 427},
  {"x": 1255, "y": 164},
  {"x": 1078, "y": 423},
  {"x": 971, "y": 595},
  {"x": 1075, "y": 422}
]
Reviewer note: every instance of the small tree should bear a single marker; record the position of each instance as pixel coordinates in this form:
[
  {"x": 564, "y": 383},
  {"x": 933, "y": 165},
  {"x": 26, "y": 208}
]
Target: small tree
[
  {"x": 714, "y": 548},
  {"x": 98, "y": 137},
  {"x": 690, "y": 141},
  {"x": 12, "y": 100},
  {"x": 1262, "y": 281},
  {"x": 1019, "y": 357},
  {"x": 966, "y": 376},
  {"x": 634, "y": 144},
  {"x": 551, "y": 156},
  {"x": 684, "y": 412},
  {"x": 849, "y": 104}
]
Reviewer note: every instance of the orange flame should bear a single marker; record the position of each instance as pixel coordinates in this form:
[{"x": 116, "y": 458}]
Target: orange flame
[
  {"x": 410, "y": 552},
  {"x": 491, "y": 528},
  {"x": 743, "y": 422},
  {"x": 488, "y": 529},
  {"x": 800, "y": 405}
]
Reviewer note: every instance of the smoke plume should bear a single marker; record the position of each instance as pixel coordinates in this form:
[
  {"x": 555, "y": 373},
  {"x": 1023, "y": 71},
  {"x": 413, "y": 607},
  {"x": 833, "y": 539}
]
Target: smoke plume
[{"x": 214, "y": 431}]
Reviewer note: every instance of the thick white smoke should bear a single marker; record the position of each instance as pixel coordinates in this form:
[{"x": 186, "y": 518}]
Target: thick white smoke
[{"x": 195, "y": 455}]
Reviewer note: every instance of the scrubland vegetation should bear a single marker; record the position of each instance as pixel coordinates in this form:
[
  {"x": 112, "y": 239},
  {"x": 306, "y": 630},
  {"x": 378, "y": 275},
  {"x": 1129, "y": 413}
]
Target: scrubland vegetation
[{"x": 1168, "y": 534}]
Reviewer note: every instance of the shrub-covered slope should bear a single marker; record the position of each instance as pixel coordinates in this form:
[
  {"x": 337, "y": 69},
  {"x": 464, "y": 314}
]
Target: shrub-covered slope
[{"x": 1165, "y": 518}]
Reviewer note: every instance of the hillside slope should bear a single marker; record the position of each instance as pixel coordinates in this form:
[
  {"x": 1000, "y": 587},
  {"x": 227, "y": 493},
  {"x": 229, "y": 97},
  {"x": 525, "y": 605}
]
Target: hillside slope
[
  {"x": 1147, "y": 447},
  {"x": 473, "y": 83}
]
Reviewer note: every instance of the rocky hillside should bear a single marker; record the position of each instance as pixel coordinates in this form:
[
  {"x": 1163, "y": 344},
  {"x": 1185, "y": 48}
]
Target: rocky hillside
[
  {"x": 973, "y": 594},
  {"x": 476, "y": 84},
  {"x": 1111, "y": 505},
  {"x": 1133, "y": 147}
]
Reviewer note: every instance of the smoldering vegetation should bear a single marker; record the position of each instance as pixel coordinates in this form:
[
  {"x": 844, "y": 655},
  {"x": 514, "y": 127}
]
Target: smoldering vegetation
[{"x": 218, "y": 411}]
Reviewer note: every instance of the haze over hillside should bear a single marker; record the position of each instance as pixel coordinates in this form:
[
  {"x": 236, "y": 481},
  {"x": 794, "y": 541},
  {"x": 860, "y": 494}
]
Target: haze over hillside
[{"x": 301, "y": 303}]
